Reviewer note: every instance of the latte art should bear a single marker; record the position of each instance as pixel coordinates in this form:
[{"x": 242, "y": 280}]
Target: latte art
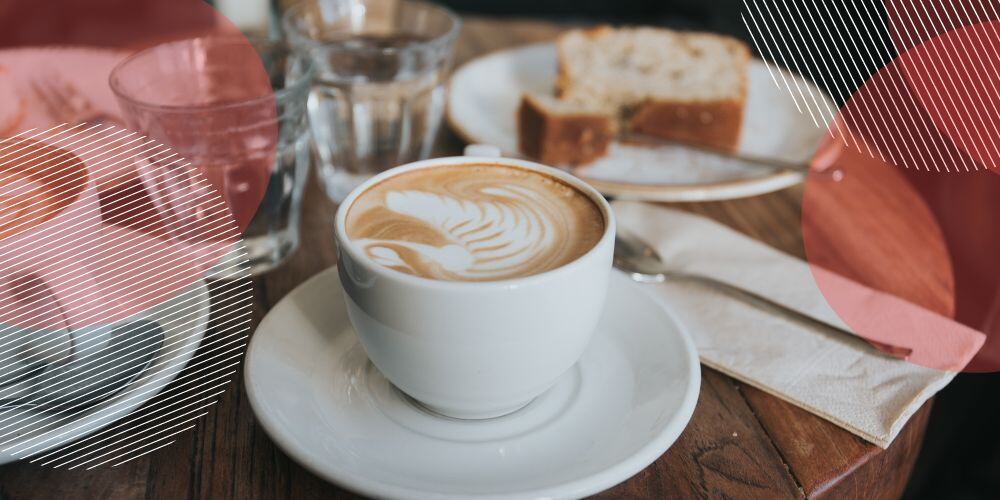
[{"x": 473, "y": 223}]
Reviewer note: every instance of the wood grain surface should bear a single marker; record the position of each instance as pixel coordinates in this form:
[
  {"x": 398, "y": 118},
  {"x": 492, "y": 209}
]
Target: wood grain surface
[{"x": 740, "y": 443}]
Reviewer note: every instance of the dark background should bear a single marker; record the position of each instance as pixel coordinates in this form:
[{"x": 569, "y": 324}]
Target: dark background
[
  {"x": 960, "y": 458},
  {"x": 721, "y": 16},
  {"x": 716, "y": 15}
]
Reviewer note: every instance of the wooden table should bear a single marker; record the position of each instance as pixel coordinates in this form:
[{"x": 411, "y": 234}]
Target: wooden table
[{"x": 740, "y": 443}]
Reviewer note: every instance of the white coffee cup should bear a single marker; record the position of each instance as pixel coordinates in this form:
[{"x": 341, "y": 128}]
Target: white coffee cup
[
  {"x": 50, "y": 304},
  {"x": 475, "y": 349}
]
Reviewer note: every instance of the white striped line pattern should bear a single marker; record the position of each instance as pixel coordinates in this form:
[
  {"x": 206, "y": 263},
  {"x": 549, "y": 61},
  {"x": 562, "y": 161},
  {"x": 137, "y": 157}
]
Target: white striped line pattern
[
  {"x": 925, "y": 108},
  {"x": 206, "y": 237}
]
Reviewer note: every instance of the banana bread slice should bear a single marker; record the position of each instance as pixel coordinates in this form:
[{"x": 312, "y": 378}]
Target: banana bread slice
[
  {"x": 680, "y": 86},
  {"x": 557, "y": 132}
]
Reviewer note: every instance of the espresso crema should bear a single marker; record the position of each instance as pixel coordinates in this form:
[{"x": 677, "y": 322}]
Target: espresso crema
[{"x": 478, "y": 222}]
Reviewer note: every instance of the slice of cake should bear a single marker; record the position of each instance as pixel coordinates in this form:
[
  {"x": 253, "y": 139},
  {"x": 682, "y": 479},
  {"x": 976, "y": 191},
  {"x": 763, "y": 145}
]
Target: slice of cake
[
  {"x": 679, "y": 86},
  {"x": 558, "y": 132}
]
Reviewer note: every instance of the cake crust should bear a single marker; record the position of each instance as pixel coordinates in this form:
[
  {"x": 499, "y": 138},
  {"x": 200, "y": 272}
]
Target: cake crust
[
  {"x": 715, "y": 125},
  {"x": 562, "y": 137}
]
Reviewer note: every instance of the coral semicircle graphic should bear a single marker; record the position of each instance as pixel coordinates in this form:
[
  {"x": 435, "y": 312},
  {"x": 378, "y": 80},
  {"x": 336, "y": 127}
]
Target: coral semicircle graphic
[
  {"x": 920, "y": 212},
  {"x": 124, "y": 281}
]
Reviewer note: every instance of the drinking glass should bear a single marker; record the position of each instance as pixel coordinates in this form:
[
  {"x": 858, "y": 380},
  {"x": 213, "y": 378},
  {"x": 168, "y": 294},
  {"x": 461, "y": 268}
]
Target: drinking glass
[
  {"x": 236, "y": 109},
  {"x": 379, "y": 93}
]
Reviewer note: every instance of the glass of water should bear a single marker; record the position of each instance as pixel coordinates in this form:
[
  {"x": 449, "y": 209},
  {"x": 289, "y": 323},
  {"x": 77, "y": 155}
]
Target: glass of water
[
  {"x": 379, "y": 93},
  {"x": 236, "y": 110}
]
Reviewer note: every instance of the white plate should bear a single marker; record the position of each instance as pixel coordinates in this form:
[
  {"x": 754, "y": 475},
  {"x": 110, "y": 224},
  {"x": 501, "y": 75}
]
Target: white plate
[
  {"x": 182, "y": 335},
  {"x": 484, "y": 95},
  {"x": 317, "y": 395},
  {"x": 86, "y": 69}
]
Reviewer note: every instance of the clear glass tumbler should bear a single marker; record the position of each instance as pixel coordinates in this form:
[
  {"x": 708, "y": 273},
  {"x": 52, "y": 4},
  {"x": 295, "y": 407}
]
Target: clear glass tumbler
[
  {"x": 379, "y": 93},
  {"x": 236, "y": 109}
]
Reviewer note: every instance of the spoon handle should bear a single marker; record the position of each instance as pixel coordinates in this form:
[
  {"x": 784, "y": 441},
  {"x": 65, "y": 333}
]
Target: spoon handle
[
  {"x": 783, "y": 310},
  {"x": 755, "y": 161}
]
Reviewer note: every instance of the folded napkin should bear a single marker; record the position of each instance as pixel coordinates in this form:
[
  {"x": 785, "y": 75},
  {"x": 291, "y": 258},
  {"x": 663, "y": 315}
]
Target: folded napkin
[{"x": 837, "y": 376}]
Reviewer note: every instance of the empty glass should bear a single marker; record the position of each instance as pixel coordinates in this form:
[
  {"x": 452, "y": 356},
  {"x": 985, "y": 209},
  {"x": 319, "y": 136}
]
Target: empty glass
[
  {"x": 237, "y": 111},
  {"x": 379, "y": 93}
]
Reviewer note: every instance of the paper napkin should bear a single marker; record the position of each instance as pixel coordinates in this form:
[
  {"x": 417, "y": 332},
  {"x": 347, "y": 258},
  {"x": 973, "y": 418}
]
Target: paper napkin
[{"x": 837, "y": 376}]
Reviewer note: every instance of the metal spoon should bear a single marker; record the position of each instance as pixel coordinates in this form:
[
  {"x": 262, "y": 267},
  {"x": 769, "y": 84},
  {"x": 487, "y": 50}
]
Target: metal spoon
[
  {"x": 643, "y": 264},
  {"x": 83, "y": 383}
]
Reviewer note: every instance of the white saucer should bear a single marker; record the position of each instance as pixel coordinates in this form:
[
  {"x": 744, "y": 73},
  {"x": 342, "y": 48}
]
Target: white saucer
[
  {"x": 484, "y": 95},
  {"x": 317, "y": 395}
]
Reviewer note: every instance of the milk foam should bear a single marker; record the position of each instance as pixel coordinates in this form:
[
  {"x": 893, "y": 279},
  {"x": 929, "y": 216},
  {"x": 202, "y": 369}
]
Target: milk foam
[{"x": 474, "y": 223}]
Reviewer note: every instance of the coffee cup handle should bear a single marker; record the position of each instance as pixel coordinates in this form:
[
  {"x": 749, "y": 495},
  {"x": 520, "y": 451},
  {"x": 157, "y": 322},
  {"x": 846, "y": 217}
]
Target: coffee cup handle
[{"x": 482, "y": 151}]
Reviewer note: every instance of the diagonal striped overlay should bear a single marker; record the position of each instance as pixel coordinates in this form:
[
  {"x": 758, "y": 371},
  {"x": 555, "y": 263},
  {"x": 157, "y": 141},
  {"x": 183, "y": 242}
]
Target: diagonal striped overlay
[
  {"x": 125, "y": 296},
  {"x": 915, "y": 79}
]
